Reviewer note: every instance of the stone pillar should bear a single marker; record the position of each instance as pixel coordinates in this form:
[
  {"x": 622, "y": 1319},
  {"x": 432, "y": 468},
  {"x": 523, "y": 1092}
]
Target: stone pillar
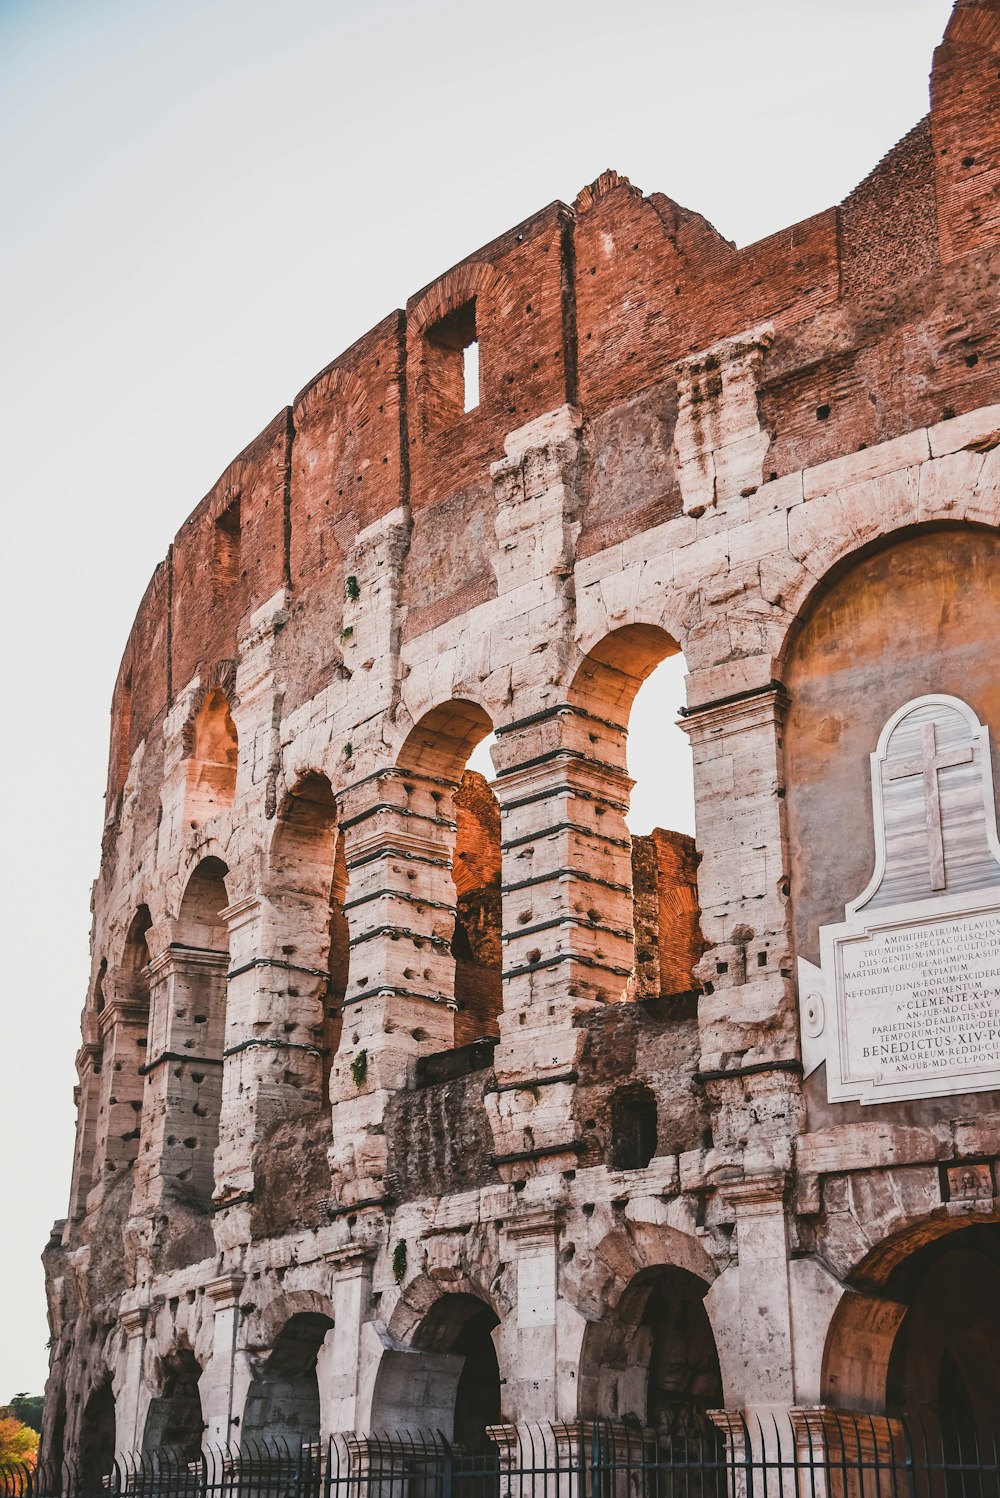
[
  {"x": 123, "y": 1027},
  {"x": 747, "y": 1011},
  {"x": 131, "y": 1400},
  {"x": 340, "y": 1362},
  {"x": 273, "y": 1061},
  {"x": 180, "y": 1116},
  {"x": 86, "y": 1096},
  {"x": 226, "y": 1380},
  {"x": 750, "y": 1304},
  {"x": 400, "y": 1003},
  {"x": 532, "y": 1341},
  {"x": 567, "y": 902}
]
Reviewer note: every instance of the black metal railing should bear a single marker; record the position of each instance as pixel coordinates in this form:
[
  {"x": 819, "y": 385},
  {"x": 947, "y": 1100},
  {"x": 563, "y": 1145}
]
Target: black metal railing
[{"x": 816, "y": 1453}]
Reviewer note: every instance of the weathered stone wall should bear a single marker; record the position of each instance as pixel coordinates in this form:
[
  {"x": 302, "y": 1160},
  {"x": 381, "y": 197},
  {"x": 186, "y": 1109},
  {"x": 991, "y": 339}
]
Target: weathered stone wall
[{"x": 775, "y": 459}]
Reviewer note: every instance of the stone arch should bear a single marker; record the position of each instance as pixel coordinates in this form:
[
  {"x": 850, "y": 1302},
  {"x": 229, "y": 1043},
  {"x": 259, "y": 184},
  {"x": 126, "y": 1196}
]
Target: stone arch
[
  {"x": 266, "y": 1323},
  {"x": 124, "y": 1042},
  {"x": 614, "y": 667},
  {"x": 461, "y": 284},
  {"x": 438, "y": 747},
  {"x": 306, "y": 883},
  {"x": 915, "y": 613},
  {"x": 133, "y": 981},
  {"x": 212, "y": 744},
  {"x": 98, "y": 1435},
  {"x": 98, "y": 996},
  {"x": 199, "y": 920},
  {"x": 819, "y": 565},
  {"x": 187, "y": 1036},
  {"x": 442, "y": 738},
  {"x": 424, "y": 1290},
  {"x": 174, "y": 1420},
  {"x": 918, "y": 1329},
  {"x": 282, "y": 1408},
  {"x": 447, "y": 1375},
  {"x": 663, "y": 913},
  {"x": 649, "y": 1350}
]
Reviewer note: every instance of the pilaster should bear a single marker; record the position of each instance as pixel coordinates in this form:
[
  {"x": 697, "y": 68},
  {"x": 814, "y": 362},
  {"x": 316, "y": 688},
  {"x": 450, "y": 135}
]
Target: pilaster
[
  {"x": 180, "y": 1115},
  {"x": 534, "y": 1385},
  {"x": 273, "y": 1060},
  {"x": 132, "y": 1396},
  {"x": 750, "y": 1303},
  {"x": 747, "y": 1010},
  {"x": 226, "y": 1380},
  {"x": 399, "y": 829},
  {"x": 339, "y": 1366},
  {"x": 567, "y": 908}
]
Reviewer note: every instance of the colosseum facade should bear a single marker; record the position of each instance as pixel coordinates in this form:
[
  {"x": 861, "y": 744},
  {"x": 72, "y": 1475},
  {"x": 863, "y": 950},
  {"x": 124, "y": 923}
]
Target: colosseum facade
[{"x": 410, "y": 1099}]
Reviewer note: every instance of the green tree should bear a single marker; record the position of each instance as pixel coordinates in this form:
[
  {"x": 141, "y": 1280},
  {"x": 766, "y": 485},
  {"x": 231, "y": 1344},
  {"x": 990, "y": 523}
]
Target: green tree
[{"x": 28, "y": 1407}]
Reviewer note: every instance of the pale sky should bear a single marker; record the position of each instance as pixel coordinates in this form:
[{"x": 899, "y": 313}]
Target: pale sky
[{"x": 203, "y": 202}]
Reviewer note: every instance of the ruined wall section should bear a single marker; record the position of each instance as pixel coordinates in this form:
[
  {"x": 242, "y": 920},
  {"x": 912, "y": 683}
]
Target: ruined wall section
[{"x": 596, "y": 305}]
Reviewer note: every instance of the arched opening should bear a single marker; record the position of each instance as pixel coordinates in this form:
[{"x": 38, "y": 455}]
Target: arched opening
[
  {"x": 175, "y": 1422},
  {"x": 124, "y": 1040},
  {"x": 929, "y": 1346},
  {"x": 200, "y": 922},
  {"x": 307, "y": 885},
  {"x": 441, "y": 745},
  {"x": 97, "y": 1437},
  {"x": 102, "y": 973},
  {"x": 476, "y": 944},
  {"x": 635, "y": 677},
  {"x": 187, "y": 1037},
  {"x": 211, "y": 774},
  {"x": 450, "y": 1381},
  {"x": 282, "y": 1409},
  {"x": 916, "y": 616},
  {"x": 134, "y": 978},
  {"x": 653, "y": 1357}
]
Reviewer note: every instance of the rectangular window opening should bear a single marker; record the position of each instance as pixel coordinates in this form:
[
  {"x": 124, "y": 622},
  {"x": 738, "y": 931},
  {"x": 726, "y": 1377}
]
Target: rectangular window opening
[
  {"x": 450, "y": 362},
  {"x": 226, "y": 561},
  {"x": 470, "y": 372}
]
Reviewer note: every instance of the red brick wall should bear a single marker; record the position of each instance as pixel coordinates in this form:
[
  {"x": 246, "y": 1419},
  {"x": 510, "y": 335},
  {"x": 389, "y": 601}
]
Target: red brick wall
[
  {"x": 205, "y": 623},
  {"x": 885, "y": 315}
]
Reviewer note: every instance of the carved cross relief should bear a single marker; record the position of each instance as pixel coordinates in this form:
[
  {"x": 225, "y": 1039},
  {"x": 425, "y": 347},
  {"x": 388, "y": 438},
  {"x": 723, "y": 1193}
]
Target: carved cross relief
[{"x": 930, "y": 761}]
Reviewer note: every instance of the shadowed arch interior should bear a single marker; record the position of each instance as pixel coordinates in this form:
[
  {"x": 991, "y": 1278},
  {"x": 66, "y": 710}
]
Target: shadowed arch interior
[
  {"x": 97, "y": 1437},
  {"x": 307, "y": 885},
  {"x": 135, "y": 958},
  {"x": 929, "y": 1345},
  {"x": 175, "y": 1421},
  {"x": 653, "y": 1355},
  {"x": 449, "y": 1380},
  {"x": 439, "y": 746},
  {"x": 125, "y": 1049},
  {"x": 283, "y": 1405},
  {"x": 196, "y": 1026},
  {"x": 920, "y": 614}
]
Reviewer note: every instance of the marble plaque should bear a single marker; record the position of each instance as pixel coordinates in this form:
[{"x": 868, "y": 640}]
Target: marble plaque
[{"x": 906, "y": 1000}]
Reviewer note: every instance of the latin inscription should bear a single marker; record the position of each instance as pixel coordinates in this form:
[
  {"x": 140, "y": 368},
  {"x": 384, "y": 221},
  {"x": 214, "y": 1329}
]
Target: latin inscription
[{"x": 922, "y": 1000}]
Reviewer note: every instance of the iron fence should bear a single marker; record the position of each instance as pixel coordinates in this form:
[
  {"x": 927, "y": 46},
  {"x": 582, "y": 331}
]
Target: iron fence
[{"x": 817, "y": 1453}]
